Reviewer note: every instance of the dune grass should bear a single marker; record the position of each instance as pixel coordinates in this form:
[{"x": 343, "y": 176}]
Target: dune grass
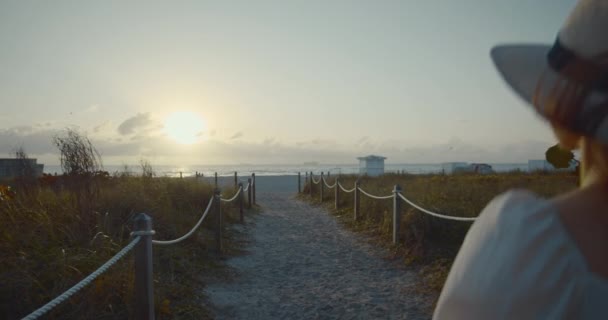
[
  {"x": 426, "y": 241},
  {"x": 50, "y": 240}
]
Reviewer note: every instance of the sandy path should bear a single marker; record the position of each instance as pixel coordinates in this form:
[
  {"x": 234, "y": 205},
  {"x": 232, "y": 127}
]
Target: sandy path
[{"x": 303, "y": 265}]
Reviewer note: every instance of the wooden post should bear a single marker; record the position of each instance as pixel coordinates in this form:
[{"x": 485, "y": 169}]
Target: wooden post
[
  {"x": 241, "y": 202},
  {"x": 180, "y": 174},
  {"x": 216, "y": 179},
  {"x": 299, "y": 183},
  {"x": 328, "y": 175},
  {"x": 236, "y": 182},
  {"x": 321, "y": 187},
  {"x": 356, "y": 207},
  {"x": 253, "y": 191},
  {"x": 249, "y": 193},
  {"x": 337, "y": 195},
  {"x": 219, "y": 222},
  {"x": 144, "y": 286},
  {"x": 311, "y": 183},
  {"x": 396, "y": 213}
]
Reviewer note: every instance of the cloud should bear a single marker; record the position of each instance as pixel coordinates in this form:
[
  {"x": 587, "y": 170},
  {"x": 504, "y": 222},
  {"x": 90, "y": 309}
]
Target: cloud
[
  {"x": 237, "y": 135},
  {"x": 362, "y": 141},
  {"x": 34, "y": 140},
  {"x": 100, "y": 127},
  {"x": 136, "y": 123},
  {"x": 144, "y": 142},
  {"x": 92, "y": 108},
  {"x": 268, "y": 141}
]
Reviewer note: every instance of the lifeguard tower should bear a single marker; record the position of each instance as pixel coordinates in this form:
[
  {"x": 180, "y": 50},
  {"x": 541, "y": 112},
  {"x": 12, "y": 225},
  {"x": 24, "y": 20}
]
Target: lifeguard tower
[{"x": 371, "y": 165}]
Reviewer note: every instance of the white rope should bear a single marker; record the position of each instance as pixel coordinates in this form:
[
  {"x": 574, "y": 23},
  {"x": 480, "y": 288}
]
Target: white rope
[
  {"x": 327, "y": 185},
  {"x": 347, "y": 191},
  {"x": 375, "y": 197},
  {"x": 168, "y": 242},
  {"x": 246, "y": 188},
  {"x": 313, "y": 180},
  {"x": 234, "y": 197},
  {"x": 442, "y": 216},
  {"x": 83, "y": 283}
]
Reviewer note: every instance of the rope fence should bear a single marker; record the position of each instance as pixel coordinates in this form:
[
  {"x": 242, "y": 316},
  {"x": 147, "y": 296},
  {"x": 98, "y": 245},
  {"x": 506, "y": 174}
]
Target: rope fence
[
  {"x": 397, "y": 198},
  {"x": 435, "y": 214},
  {"x": 83, "y": 283},
  {"x": 234, "y": 197},
  {"x": 347, "y": 191},
  {"x": 375, "y": 197},
  {"x": 187, "y": 235},
  {"x": 327, "y": 185},
  {"x": 142, "y": 243}
]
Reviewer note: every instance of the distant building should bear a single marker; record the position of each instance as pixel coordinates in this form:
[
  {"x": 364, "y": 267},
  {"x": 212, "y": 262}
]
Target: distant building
[
  {"x": 454, "y": 167},
  {"x": 544, "y": 165},
  {"x": 371, "y": 165},
  {"x": 481, "y": 168},
  {"x": 451, "y": 167},
  {"x": 11, "y": 167}
]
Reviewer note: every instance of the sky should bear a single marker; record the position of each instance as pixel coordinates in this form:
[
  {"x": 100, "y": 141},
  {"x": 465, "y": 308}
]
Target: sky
[{"x": 266, "y": 82}]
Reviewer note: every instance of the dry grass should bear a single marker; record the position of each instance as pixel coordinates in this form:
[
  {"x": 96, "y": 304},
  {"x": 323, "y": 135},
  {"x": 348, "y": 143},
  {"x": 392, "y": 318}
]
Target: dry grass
[
  {"x": 430, "y": 242},
  {"x": 49, "y": 242}
]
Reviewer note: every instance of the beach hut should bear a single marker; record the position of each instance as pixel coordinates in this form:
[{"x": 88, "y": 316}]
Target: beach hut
[{"x": 371, "y": 165}]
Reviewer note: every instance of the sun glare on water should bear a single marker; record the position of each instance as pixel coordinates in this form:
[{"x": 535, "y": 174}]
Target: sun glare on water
[{"x": 184, "y": 127}]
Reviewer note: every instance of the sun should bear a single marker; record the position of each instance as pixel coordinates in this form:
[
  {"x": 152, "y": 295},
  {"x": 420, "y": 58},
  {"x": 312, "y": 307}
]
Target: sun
[{"x": 184, "y": 127}]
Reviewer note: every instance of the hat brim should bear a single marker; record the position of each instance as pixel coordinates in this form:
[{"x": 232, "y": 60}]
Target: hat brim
[{"x": 522, "y": 66}]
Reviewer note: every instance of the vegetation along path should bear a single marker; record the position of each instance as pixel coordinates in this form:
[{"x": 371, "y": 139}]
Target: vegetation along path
[{"x": 302, "y": 264}]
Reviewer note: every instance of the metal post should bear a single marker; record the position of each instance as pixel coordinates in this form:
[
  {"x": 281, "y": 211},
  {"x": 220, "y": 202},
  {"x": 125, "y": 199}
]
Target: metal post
[
  {"x": 249, "y": 193},
  {"x": 236, "y": 183},
  {"x": 216, "y": 179},
  {"x": 144, "y": 286},
  {"x": 356, "y": 209},
  {"x": 218, "y": 222},
  {"x": 299, "y": 183},
  {"x": 328, "y": 175},
  {"x": 337, "y": 195},
  {"x": 321, "y": 187},
  {"x": 241, "y": 202},
  {"x": 396, "y": 213},
  {"x": 253, "y": 191},
  {"x": 306, "y": 179}
]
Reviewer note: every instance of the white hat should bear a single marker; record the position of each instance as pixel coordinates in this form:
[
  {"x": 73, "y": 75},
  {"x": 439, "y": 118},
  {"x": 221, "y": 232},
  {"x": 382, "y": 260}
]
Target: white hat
[{"x": 534, "y": 70}]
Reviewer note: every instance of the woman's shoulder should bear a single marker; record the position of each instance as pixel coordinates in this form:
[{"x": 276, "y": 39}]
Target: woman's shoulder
[
  {"x": 511, "y": 210},
  {"x": 513, "y": 205},
  {"x": 516, "y": 225},
  {"x": 516, "y": 259},
  {"x": 512, "y": 220}
]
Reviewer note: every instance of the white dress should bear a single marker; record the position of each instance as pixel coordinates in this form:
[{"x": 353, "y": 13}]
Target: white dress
[{"x": 519, "y": 262}]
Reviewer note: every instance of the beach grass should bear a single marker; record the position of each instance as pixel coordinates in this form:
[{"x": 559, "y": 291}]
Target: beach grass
[
  {"x": 424, "y": 240},
  {"x": 50, "y": 239}
]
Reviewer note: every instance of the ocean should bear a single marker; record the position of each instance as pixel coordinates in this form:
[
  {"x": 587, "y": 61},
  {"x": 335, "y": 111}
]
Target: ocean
[{"x": 280, "y": 170}]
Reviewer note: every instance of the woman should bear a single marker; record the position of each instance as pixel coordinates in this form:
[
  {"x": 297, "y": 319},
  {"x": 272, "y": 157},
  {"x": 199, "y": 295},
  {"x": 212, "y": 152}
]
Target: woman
[{"x": 532, "y": 258}]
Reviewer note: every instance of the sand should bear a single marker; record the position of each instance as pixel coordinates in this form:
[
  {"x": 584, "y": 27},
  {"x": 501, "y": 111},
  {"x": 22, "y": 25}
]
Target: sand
[{"x": 302, "y": 264}]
